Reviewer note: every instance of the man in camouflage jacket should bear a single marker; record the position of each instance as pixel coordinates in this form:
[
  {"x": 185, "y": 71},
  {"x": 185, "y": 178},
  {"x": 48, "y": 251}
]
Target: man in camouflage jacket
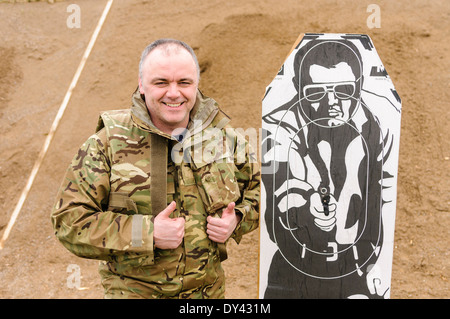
[{"x": 158, "y": 190}]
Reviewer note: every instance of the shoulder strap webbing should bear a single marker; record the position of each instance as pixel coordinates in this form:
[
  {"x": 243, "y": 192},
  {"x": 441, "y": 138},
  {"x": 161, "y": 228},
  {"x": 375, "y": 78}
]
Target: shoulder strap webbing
[{"x": 158, "y": 173}]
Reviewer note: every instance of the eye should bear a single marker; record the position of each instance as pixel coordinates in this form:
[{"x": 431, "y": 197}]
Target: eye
[
  {"x": 185, "y": 83},
  {"x": 314, "y": 93},
  {"x": 159, "y": 82},
  {"x": 344, "y": 91}
]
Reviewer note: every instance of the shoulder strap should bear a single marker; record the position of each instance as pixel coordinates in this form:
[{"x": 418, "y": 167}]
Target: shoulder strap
[
  {"x": 158, "y": 173},
  {"x": 158, "y": 156}
]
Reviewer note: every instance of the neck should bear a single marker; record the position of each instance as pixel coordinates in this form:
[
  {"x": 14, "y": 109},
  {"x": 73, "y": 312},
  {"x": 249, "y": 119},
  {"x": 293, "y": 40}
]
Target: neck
[{"x": 171, "y": 129}]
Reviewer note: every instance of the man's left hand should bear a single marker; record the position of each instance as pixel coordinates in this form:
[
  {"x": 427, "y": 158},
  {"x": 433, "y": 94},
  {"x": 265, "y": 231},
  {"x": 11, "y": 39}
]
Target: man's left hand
[{"x": 220, "y": 229}]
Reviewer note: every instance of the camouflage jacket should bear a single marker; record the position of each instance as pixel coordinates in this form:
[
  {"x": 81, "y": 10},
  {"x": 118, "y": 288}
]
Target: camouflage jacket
[{"x": 104, "y": 208}]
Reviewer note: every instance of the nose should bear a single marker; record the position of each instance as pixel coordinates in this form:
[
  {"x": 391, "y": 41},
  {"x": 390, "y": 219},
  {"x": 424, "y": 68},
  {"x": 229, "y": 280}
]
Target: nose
[
  {"x": 332, "y": 100},
  {"x": 172, "y": 91}
]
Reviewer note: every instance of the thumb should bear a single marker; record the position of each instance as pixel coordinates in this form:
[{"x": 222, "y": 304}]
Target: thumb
[
  {"x": 165, "y": 213},
  {"x": 228, "y": 210}
]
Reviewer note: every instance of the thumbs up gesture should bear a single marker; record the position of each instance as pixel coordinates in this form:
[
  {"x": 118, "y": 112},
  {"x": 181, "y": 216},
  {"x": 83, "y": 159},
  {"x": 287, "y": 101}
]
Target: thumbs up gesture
[
  {"x": 168, "y": 232},
  {"x": 220, "y": 229}
]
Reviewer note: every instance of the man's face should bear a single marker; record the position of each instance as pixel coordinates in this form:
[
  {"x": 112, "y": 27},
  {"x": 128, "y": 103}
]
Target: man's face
[
  {"x": 332, "y": 92},
  {"x": 169, "y": 83}
]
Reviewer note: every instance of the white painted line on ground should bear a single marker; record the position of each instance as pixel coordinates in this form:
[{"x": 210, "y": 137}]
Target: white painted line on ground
[{"x": 54, "y": 126}]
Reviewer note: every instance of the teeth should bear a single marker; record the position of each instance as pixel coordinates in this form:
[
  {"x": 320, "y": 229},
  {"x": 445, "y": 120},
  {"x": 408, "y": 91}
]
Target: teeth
[{"x": 173, "y": 105}]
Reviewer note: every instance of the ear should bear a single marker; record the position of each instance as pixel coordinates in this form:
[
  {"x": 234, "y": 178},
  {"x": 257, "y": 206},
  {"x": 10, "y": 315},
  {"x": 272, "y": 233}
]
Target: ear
[{"x": 141, "y": 88}]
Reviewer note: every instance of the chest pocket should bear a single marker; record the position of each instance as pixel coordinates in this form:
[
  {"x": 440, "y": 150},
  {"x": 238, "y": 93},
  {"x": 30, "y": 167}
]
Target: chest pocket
[{"x": 216, "y": 182}]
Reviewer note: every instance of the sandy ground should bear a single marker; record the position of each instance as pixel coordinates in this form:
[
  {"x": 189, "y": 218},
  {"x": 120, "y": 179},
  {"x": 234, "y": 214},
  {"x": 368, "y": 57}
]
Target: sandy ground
[{"x": 240, "y": 45}]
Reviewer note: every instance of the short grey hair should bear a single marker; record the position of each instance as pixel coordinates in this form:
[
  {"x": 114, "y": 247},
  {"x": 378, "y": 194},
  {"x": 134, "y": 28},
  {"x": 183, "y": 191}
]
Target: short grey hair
[{"x": 167, "y": 44}]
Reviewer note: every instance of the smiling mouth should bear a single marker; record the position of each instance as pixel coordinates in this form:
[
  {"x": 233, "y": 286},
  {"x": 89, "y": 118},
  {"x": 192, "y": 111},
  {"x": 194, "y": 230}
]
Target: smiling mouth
[{"x": 173, "y": 105}]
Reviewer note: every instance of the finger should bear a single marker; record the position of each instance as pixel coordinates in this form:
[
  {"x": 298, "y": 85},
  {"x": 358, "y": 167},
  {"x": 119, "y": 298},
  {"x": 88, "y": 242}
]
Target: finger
[
  {"x": 168, "y": 210},
  {"x": 217, "y": 237},
  {"x": 181, "y": 234},
  {"x": 180, "y": 224},
  {"x": 211, "y": 228},
  {"x": 325, "y": 222},
  {"x": 229, "y": 209},
  {"x": 214, "y": 221}
]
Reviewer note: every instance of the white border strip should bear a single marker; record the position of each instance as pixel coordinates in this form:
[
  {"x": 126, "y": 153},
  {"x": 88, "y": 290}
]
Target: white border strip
[{"x": 54, "y": 126}]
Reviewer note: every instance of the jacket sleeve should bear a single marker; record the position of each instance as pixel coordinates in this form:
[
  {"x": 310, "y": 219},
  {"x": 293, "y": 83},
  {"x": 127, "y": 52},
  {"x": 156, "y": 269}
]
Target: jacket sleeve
[
  {"x": 248, "y": 177},
  {"x": 80, "y": 217}
]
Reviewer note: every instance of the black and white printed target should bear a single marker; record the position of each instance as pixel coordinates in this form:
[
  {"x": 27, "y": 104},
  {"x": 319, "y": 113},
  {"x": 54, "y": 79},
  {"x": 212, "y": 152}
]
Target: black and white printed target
[{"x": 331, "y": 128}]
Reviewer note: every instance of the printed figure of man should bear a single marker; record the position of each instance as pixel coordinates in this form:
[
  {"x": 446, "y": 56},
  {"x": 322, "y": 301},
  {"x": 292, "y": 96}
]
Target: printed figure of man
[
  {"x": 136, "y": 198},
  {"x": 327, "y": 228}
]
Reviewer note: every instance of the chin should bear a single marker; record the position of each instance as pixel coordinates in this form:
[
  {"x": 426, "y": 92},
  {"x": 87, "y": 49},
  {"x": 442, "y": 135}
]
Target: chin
[{"x": 336, "y": 122}]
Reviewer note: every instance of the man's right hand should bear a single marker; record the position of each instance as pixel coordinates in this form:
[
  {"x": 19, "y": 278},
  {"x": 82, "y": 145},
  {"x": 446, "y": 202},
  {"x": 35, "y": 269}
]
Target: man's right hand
[{"x": 168, "y": 232}]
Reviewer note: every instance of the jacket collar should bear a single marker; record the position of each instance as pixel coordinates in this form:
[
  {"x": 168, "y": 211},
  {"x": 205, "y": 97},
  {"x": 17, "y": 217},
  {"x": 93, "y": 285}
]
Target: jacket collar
[{"x": 201, "y": 116}]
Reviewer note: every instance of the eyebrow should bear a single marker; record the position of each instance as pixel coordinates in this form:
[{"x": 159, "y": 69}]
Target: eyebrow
[
  {"x": 187, "y": 79},
  {"x": 166, "y": 80},
  {"x": 153, "y": 80}
]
